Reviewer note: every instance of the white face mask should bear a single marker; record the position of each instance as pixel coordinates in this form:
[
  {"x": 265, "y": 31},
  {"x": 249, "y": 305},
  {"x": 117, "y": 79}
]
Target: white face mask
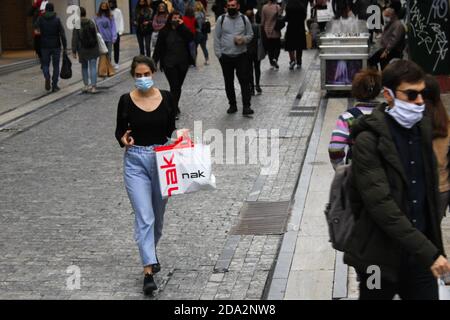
[{"x": 405, "y": 113}]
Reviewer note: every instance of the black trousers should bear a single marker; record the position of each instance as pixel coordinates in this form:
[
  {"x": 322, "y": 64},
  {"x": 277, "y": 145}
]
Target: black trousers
[
  {"x": 175, "y": 76},
  {"x": 298, "y": 56},
  {"x": 415, "y": 283},
  {"x": 376, "y": 58},
  {"x": 117, "y": 49},
  {"x": 255, "y": 71},
  {"x": 273, "y": 47},
  {"x": 144, "y": 39},
  {"x": 241, "y": 64}
]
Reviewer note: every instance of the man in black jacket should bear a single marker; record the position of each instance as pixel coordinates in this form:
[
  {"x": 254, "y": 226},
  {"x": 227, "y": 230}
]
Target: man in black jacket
[
  {"x": 52, "y": 36},
  {"x": 397, "y": 229}
]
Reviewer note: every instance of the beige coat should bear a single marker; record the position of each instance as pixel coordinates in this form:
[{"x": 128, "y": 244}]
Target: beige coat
[{"x": 440, "y": 147}]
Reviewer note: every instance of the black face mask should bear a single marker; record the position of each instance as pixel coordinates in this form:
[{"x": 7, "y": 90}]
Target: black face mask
[{"x": 232, "y": 11}]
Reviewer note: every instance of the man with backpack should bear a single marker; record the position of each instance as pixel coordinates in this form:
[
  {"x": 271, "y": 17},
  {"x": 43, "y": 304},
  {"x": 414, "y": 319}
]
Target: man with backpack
[
  {"x": 52, "y": 36},
  {"x": 85, "y": 46},
  {"x": 395, "y": 244},
  {"x": 232, "y": 34}
]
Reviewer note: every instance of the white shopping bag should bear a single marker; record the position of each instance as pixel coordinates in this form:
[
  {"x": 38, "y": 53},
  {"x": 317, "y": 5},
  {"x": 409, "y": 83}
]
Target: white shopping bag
[
  {"x": 184, "y": 167},
  {"x": 325, "y": 15},
  {"x": 444, "y": 290}
]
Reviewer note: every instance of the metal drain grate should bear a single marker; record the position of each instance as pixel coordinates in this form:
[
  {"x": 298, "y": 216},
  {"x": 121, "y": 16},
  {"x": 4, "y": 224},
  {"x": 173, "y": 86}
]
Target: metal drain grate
[{"x": 262, "y": 218}]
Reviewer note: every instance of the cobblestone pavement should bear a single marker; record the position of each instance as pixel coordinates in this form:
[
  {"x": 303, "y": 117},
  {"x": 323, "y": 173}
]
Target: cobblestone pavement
[{"x": 63, "y": 201}]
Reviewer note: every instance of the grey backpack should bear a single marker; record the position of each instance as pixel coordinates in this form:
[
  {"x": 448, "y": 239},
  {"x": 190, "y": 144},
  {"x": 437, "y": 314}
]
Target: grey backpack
[{"x": 338, "y": 212}]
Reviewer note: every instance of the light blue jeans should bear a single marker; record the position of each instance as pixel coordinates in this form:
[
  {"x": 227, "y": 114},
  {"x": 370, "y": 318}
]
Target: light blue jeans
[
  {"x": 142, "y": 184},
  {"x": 89, "y": 71}
]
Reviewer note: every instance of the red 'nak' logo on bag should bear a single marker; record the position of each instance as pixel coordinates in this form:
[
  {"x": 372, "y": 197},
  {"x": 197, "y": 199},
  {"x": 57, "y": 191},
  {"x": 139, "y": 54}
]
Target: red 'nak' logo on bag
[{"x": 171, "y": 174}]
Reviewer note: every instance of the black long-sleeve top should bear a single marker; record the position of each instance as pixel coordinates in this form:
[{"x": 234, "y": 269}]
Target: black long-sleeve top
[
  {"x": 147, "y": 128},
  {"x": 172, "y": 46}
]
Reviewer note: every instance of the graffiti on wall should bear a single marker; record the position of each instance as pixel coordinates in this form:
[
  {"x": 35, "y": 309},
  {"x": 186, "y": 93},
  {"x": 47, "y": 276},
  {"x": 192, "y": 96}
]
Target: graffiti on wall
[{"x": 429, "y": 32}]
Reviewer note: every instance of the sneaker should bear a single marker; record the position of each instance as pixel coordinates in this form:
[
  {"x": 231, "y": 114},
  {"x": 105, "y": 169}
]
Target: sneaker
[
  {"x": 47, "y": 84},
  {"x": 55, "y": 89},
  {"x": 232, "y": 109},
  {"x": 93, "y": 89},
  {"x": 299, "y": 65},
  {"x": 86, "y": 89},
  {"x": 149, "y": 284},
  {"x": 258, "y": 89},
  {"x": 116, "y": 67},
  {"x": 291, "y": 65},
  {"x": 206, "y": 63},
  {"x": 247, "y": 111}
]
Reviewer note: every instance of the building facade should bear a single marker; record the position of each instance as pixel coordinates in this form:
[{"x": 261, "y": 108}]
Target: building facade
[{"x": 16, "y": 31}]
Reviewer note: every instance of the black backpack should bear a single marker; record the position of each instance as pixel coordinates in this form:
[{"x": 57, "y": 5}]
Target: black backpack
[
  {"x": 206, "y": 27},
  {"x": 338, "y": 211},
  {"x": 88, "y": 36}
]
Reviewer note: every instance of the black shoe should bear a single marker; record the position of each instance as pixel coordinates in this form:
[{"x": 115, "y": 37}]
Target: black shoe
[
  {"x": 149, "y": 284},
  {"x": 258, "y": 89},
  {"x": 252, "y": 91},
  {"x": 247, "y": 111},
  {"x": 177, "y": 115},
  {"x": 232, "y": 109},
  {"x": 299, "y": 65},
  {"x": 47, "y": 84},
  {"x": 291, "y": 65},
  {"x": 55, "y": 89}
]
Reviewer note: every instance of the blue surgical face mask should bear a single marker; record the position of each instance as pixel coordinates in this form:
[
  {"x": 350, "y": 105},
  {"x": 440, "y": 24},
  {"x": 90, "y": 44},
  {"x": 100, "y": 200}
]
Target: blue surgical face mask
[
  {"x": 144, "y": 83},
  {"x": 405, "y": 113}
]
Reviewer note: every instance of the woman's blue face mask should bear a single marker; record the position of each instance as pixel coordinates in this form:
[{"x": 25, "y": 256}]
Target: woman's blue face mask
[{"x": 144, "y": 83}]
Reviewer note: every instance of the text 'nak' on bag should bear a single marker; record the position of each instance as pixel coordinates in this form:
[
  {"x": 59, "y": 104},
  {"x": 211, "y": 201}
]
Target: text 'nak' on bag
[{"x": 184, "y": 167}]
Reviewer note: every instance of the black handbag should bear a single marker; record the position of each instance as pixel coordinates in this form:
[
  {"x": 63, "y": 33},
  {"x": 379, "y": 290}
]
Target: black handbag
[
  {"x": 280, "y": 24},
  {"x": 66, "y": 68}
]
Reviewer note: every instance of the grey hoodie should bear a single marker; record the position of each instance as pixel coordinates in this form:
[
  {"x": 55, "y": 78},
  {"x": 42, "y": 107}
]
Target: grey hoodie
[{"x": 225, "y": 33}]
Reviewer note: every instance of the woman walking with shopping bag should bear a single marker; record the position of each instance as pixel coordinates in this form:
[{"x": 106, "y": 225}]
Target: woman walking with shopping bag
[
  {"x": 106, "y": 26},
  {"x": 145, "y": 119},
  {"x": 85, "y": 46}
]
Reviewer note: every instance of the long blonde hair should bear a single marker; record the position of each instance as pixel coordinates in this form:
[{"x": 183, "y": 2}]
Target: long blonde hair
[{"x": 198, "y": 7}]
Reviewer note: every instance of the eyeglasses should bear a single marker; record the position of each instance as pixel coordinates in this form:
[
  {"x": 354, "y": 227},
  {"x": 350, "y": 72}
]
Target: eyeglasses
[{"x": 413, "y": 94}]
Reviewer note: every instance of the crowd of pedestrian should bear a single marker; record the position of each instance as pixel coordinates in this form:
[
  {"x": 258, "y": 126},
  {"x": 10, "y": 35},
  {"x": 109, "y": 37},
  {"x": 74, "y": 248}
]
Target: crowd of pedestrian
[{"x": 397, "y": 146}]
